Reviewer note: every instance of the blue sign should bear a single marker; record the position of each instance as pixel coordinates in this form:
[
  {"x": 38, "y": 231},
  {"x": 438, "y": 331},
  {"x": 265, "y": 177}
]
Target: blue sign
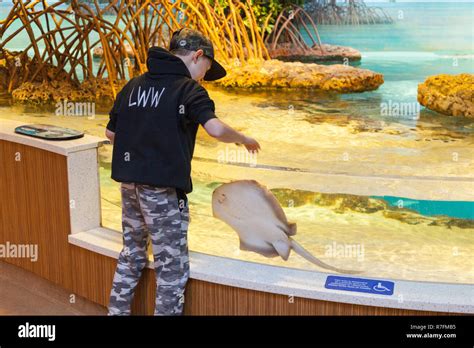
[{"x": 372, "y": 286}]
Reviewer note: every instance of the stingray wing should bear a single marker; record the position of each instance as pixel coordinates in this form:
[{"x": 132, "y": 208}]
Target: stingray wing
[
  {"x": 290, "y": 227},
  {"x": 265, "y": 251}
]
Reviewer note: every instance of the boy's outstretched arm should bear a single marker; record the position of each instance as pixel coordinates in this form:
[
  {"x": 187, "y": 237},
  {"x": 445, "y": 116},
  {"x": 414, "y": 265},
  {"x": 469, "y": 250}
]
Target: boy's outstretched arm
[{"x": 222, "y": 132}]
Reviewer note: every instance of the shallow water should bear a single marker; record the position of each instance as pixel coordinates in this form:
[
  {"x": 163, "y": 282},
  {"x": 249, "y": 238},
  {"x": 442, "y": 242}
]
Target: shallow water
[{"x": 316, "y": 149}]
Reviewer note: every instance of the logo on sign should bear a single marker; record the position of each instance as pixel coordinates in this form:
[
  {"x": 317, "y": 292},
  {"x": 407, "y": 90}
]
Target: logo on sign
[{"x": 371, "y": 286}]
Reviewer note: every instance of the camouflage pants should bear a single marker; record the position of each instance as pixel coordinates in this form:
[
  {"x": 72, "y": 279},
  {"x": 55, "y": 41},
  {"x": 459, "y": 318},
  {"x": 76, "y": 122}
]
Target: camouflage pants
[{"x": 159, "y": 214}]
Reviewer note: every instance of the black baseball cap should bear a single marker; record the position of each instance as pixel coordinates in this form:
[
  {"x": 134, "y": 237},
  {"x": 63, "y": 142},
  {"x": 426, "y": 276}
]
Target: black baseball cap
[{"x": 194, "y": 40}]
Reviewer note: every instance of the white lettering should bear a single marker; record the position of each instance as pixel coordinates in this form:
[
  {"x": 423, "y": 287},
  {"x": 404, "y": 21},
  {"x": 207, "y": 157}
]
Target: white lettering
[
  {"x": 130, "y": 99},
  {"x": 155, "y": 100},
  {"x": 37, "y": 331},
  {"x": 145, "y": 95}
]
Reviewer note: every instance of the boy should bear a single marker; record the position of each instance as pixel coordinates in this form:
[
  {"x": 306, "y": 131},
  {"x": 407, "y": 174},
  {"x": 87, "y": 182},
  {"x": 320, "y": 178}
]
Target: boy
[{"x": 153, "y": 126}]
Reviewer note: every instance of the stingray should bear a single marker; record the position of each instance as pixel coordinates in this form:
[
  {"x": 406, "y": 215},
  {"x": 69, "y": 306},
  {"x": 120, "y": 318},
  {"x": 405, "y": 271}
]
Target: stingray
[{"x": 260, "y": 222}]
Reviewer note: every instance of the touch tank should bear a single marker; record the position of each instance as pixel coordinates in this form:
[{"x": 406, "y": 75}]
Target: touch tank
[
  {"x": 388, "y": 236},
  {"x": 369, "y": 187}
]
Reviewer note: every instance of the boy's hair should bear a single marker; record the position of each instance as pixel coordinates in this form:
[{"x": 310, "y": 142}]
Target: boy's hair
[{"x": 181, "y": 52}]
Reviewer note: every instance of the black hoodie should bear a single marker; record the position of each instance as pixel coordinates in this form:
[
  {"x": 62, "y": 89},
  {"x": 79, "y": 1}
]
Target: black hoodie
[{"x": 155, "y": 119}]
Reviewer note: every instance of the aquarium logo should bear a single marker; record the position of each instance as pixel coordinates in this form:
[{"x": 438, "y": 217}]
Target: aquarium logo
[
  {"x": 337, "y": 250},
  {"x": 25, "y": 251},
  {"x": 67, "y": 108},
  {"x": 234, "y": 156},
  {"x": 398, "y": 109}
]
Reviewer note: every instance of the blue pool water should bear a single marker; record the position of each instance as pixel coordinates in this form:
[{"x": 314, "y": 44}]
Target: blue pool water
[
  {"x": 425, "y": 39},
  {"x": 461, "y": 210}
]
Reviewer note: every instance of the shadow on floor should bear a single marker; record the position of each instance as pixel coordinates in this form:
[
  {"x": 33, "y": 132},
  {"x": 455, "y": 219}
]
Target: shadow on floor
[{"x": 24, "y": 293}]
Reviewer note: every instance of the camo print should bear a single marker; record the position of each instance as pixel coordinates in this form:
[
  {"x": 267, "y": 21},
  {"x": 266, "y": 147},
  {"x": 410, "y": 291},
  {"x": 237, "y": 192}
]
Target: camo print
[{"x": 156, "y": 214}]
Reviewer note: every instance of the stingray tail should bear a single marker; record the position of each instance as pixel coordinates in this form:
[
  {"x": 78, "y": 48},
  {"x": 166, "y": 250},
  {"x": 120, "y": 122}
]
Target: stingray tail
[{"x": 308, "y": 256}]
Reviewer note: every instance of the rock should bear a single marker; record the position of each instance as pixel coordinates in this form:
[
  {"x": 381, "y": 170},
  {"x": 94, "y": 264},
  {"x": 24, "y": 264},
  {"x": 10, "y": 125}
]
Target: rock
[
  {"x": 12, "y": 64},
  {"x": 340, "y": 203},
  {"x": 451, "y": 95},
  {"x": 449, "y": 222},
  {"x": 286, "y": 52},
  {"x": 37, "y": 93},
  {"x": 407, "y": 216},
  {"x": 51, "y": 92},
  {"x": 15, "y": 66},
  {"x": 277, "y": 74},
  {"x": 101, "y": 90}
]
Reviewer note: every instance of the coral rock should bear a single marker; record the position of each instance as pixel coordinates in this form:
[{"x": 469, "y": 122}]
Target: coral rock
[
  {"x": 277, "y": 74},
  {"x": 94, "y": 90},
  {"x": 451, "y": 95},
  {"x": 288, "y": 53}
]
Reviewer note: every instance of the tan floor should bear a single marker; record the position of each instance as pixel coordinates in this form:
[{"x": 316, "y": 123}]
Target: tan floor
[{"x": 24, "y": 293}]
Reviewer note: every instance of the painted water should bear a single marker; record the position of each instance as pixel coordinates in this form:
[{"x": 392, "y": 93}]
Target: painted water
[{"x": 326, "y": 157}]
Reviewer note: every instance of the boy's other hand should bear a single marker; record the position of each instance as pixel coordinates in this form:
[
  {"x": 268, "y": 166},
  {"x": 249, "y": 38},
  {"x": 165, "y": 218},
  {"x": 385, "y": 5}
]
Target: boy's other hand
[{"x": 110, "y": 135}]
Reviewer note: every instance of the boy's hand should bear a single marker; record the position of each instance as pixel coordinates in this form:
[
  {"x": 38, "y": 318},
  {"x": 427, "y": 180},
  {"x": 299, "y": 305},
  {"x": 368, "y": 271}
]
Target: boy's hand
[
  {"x": 251, "y": 144},
  {"x": 221, "y": 131},
  {"x": 110, "y": 135}
]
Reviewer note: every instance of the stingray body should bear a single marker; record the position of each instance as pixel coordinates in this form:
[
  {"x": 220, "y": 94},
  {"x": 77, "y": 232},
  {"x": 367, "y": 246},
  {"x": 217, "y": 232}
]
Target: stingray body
[{"x": 259, "y": 220}]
